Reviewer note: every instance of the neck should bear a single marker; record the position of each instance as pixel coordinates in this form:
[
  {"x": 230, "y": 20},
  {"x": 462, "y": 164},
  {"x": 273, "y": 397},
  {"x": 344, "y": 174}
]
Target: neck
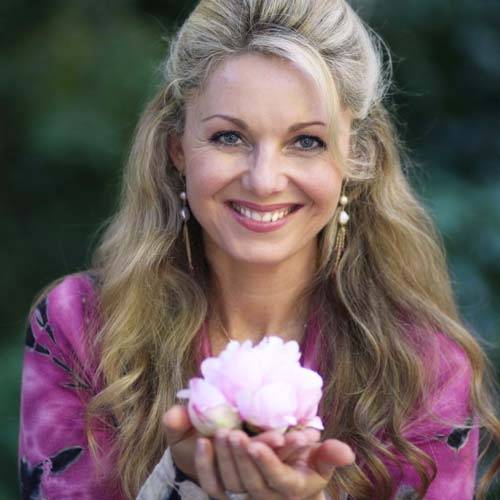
[{"x": 250, "y": 301}]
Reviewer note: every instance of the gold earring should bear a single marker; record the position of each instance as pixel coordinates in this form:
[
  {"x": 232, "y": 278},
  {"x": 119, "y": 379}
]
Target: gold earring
[
  {"x": 185, "y": 214},
  {"x": 341, "y": 232}
]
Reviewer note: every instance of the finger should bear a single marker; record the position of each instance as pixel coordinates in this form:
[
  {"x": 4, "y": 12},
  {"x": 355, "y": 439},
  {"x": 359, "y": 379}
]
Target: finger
[
  {"x": 297, "y": 455},
  {"x": 283, "y": 478},
  {"x": 273, "y": 439},
  {"x": 294, "y": 440},
  {"x": 295, "y": 443},
  {"x": 176, "y": 424},
  {"x": 330, "y": 454},
  {"x": 181, "y": 438},
  {"x": 225, "y": 462},
  {"x": 251, "y": 477},
  {"x": 313, "y": 435},
  {"x": 206, "y": 470}
]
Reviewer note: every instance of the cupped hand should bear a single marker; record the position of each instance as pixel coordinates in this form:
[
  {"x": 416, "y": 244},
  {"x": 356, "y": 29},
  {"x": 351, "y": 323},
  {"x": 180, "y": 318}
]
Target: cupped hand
[
  {"x": 283, "y": 466},
  {"x": 237, "y": 463},
  {"x": 182, "y": 436}
]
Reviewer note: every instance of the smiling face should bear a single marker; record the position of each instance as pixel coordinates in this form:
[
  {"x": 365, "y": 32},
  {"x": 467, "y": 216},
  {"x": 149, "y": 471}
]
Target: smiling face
[{"x": 259, "y": 177}]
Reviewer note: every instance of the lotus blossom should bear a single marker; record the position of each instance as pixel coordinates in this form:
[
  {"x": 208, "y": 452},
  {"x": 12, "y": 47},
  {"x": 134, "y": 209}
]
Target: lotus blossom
[{"x": 263, "y": 386}]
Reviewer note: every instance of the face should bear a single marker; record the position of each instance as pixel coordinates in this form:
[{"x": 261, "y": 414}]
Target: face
[{"x": 255, "y": 156}]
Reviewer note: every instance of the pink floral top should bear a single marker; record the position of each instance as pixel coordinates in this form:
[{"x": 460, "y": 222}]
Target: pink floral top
[{"x": 58, "y": 381}]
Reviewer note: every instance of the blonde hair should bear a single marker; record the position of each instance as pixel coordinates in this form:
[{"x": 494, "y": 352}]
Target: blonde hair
[{"x": 151, "y": 307}]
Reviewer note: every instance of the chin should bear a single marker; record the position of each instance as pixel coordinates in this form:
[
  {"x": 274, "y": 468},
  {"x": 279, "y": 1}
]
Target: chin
[{"x": 260, "y": 258}]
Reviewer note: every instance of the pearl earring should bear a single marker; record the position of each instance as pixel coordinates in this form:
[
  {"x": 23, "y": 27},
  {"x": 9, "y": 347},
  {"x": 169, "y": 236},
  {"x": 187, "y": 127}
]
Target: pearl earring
[
  {"x": 185, "y": 214},
  {"x": 341, "y": 232}
]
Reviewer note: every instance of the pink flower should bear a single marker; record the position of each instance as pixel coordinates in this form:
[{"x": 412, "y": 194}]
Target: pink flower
[
  {"x": 265, "y": 385},
  {"x": 208, "y": 409}
]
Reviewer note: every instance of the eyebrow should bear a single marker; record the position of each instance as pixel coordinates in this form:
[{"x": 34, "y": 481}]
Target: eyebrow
[{"x": 244, "y": 126}]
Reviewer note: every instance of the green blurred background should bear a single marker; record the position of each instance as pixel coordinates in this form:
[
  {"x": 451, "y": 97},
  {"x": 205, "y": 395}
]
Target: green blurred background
[{"x": 74, "y": 76}]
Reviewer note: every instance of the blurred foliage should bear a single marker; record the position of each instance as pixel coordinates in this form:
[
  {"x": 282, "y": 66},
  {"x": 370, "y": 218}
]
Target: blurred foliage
[{"x": 75, "y": 76}]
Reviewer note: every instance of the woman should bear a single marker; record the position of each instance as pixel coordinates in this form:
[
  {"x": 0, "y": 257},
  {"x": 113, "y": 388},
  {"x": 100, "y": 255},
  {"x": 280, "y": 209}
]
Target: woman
[{"x": 264, "y": 194}]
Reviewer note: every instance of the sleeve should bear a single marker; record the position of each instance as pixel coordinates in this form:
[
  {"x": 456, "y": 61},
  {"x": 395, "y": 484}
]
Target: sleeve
[
  {"x": 167, "y": 482},
  {"x": 54, "y": 459},
  {"x": 447, "y": 432}
]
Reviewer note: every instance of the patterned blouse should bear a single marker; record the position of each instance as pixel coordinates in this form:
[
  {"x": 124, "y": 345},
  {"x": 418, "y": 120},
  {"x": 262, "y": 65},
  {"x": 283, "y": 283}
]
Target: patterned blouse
[{"x": 58, "y": 380}]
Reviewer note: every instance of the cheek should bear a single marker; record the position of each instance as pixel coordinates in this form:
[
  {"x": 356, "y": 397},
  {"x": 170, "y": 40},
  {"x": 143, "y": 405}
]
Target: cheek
[
  {"x": 323, "y": 188},
  {"x": 205, "y": 178},
  {"x": 200, "y": 172}
]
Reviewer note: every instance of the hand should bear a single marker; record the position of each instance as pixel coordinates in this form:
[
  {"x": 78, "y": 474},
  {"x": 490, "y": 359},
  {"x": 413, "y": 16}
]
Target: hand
[
  {"x": 238, "y": 463},
  {"x": 181, "y": 437}
]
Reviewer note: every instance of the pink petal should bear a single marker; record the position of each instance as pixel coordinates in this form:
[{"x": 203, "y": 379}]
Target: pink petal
[
  {"x": 183, "y": 394},
  {"x": 315, "y": 423},
  {"x": 270, "y": 407}
]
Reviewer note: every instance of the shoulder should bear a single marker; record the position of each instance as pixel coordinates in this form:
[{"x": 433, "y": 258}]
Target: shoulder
[
  {"x": 443, "y": 358},
  {"x": 453, "y": 378},
  {"x": 446, "y": 393},
  {"x": 63, "y": 315},
  {"x": 446, "y": 361},
  {"x": 69, "y": 300}
]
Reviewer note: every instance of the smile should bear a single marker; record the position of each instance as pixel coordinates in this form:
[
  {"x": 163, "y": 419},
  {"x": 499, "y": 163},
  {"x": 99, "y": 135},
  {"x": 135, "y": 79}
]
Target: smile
[
  {"x": 260, "y": 221},
  {"x": 261, "y": 216}
]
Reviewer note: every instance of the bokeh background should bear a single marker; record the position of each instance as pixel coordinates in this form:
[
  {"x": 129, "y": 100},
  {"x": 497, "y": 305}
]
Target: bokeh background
[{"x": 74, "y": 76}]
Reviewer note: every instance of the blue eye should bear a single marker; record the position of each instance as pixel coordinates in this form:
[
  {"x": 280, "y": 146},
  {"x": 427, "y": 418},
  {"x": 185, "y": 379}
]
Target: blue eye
[
  {"x": 226, "y": 138},
  {"x": 310, "y": 142}
]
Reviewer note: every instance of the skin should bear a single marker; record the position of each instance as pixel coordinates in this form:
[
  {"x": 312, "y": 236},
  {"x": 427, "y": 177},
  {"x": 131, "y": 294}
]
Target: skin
[
  {"x": 268, "y": 466},
  {"x": 258, "y": 153}
]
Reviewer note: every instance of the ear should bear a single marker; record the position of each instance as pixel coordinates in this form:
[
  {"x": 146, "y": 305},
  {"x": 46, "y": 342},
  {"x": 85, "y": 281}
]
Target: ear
[{"x": 176, "y": 152}]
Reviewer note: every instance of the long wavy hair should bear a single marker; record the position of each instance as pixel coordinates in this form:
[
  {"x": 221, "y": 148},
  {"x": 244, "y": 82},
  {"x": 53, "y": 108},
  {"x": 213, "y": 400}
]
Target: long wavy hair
[{"x": 392, "y": 277}]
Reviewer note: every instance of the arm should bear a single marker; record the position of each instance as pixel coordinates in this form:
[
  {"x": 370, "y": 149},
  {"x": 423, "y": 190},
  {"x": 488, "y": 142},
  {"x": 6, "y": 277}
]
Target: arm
[{"x": 54, "y": 459}]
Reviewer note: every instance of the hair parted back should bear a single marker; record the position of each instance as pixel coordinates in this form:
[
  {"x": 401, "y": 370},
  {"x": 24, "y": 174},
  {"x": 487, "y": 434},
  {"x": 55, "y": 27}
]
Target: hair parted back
[{"x": 376, "y": 312}]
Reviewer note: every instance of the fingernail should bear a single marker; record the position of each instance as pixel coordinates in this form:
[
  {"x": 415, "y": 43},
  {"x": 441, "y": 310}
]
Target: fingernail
[
  {"x": 350, "y": 452},
  {"x": 254, "y": 450},
  {"x": 200, "y": 446},
  {"x": 300, "y": 440},
  {"x": 280, "y": 441},
  {"x": 221, "y": 434},
  {"x": 234, "y": 440}
]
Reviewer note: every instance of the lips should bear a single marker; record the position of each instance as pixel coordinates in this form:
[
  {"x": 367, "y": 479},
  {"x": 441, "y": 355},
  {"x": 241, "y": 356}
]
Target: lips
[
  {"x": 268, "y": 216},
  {"x": 264, "y": 208},
  {"x": 262, "y": 221}
]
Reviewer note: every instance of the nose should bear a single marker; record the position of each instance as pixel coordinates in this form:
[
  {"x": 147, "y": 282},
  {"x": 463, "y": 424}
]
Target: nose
[{"x": 265, "y": 174}]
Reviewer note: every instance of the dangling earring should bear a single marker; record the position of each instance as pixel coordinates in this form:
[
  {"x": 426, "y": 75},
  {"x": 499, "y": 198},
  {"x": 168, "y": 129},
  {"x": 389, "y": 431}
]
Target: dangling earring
[
  {"x": 185, "y": 214},
  {"x": 341, "y": 232}
]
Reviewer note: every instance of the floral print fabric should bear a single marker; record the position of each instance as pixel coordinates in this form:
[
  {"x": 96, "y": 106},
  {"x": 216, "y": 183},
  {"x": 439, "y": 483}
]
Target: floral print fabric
[
  {"x": 58, "y": 381},
  {"x": 452, "y": 445},
  {"x": 54, "y": 459}
]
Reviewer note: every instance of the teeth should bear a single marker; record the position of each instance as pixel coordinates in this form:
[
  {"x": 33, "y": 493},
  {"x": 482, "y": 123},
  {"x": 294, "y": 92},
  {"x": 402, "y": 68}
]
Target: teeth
[{"x": 259, "y": 216}]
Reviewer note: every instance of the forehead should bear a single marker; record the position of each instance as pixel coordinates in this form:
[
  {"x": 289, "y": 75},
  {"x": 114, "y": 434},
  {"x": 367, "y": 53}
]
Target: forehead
[{"x": 255, "y": 84}]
